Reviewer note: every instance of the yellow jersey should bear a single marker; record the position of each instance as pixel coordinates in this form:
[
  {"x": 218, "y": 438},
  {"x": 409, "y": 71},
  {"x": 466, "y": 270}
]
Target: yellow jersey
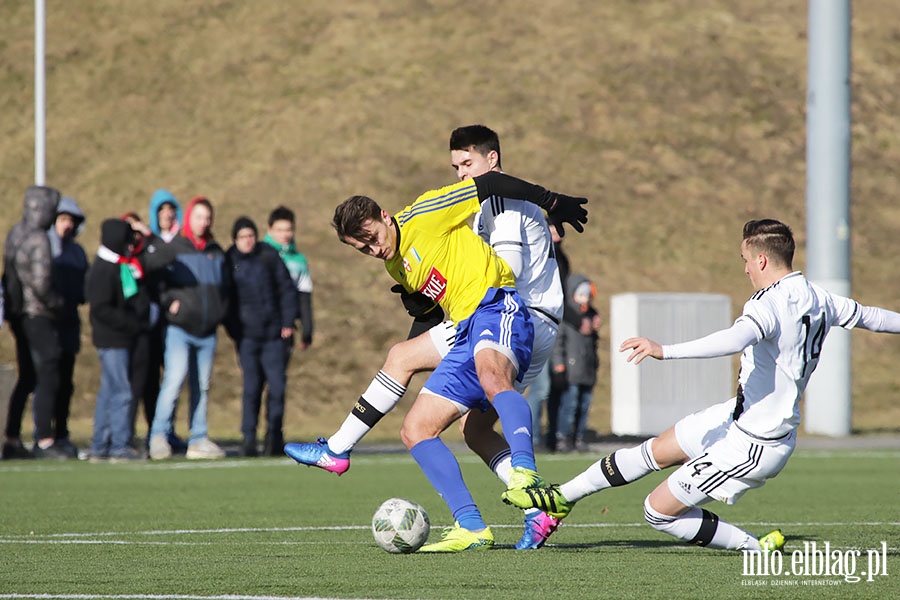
[{"x": 440, "y": 256}]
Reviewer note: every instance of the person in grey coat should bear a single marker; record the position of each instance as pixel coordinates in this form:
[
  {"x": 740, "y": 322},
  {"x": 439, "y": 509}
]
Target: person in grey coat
[{"x": 32, "y": 306}]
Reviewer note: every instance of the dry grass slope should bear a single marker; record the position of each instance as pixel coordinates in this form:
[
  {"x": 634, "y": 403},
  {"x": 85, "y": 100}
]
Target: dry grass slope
[{"x": 680, "y": 120}]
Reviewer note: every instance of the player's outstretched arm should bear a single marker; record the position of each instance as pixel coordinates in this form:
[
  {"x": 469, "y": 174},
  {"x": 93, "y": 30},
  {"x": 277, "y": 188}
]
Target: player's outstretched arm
[
  {"x": 641, "y": 348},
  {"x": 560, "y": 208}
]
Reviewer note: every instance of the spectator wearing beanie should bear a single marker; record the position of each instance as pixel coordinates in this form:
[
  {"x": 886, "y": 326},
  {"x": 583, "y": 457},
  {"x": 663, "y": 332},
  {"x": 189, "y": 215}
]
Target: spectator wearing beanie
[{"x": 262, "y": 306}]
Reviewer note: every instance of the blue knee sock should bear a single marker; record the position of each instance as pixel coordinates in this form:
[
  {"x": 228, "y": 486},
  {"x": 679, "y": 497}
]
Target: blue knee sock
[
  {"x": 442, "y": 470},
  {"x": 515, "y": 419}
]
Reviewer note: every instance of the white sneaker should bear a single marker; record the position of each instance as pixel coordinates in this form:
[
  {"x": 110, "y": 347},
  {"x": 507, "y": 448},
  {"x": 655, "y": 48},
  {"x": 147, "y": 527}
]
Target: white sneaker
[
  {"x": 160, "y": 448},
  {"x": 204, "y": 448}
]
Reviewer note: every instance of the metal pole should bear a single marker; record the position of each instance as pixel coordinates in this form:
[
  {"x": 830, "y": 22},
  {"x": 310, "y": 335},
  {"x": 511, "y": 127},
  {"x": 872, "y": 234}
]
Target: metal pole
[
  {"x": 828, "y": 396},
  {"x": 40, "y": 130}
]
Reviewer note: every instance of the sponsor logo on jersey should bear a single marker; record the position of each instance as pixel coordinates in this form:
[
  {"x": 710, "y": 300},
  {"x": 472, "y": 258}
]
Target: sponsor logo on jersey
[
  {"x": 435, "y": 285},
  {"x": 416, "y": 254},
  {"x": 406, "y": 265}
]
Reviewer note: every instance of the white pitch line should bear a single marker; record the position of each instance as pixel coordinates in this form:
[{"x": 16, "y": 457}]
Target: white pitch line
[
  {"x": 155, "y": 597},
  {"x": 91, "y": 537}
]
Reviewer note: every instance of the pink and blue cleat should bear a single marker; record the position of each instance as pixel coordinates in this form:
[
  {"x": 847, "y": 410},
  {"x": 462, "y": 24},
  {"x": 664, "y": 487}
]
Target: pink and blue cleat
[
  {"x": 317, "y": 454},
  {"x": 539, "y": 526}
]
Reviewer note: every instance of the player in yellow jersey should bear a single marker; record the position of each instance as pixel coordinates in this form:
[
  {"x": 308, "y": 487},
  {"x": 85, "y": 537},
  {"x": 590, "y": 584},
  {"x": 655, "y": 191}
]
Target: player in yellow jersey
[
  {"x": 429, "y": 248},
  {"x": 518, "y": 232}
]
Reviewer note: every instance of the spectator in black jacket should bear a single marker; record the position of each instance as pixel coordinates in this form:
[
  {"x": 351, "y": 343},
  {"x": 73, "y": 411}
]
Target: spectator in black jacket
[
  {"x": 260, "y": 319},
  {"x": 119, "y": 311},
  {"x": 70, "y": 267}
]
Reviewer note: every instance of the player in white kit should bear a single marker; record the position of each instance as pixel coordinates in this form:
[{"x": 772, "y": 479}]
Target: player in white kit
[{"x": 737, "y": 445}]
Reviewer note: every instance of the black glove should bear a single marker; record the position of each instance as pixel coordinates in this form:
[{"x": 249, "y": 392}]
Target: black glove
[
  {"x": 567, "y": 209},
  {"x": 416, "y": 304},
  {"x": 559, "y": 381}
]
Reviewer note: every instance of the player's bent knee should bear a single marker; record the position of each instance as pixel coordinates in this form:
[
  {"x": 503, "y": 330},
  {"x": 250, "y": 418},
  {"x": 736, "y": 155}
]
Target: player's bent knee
[{"x": 656, "y": 519}]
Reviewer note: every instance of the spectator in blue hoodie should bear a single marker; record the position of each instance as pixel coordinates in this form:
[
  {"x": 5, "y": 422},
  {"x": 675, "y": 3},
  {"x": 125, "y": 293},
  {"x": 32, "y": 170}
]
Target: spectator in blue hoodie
[
  {"x": 261, "y": 311},
  {"x": 70, "y": 265},
  {"x": 194, "y": 300},
  {"x": 147, "y": 355},
  {"x": 165, "y": 215}
]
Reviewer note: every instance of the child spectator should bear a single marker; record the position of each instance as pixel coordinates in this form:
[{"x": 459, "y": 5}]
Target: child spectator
[{"x": 575, "y": 356}]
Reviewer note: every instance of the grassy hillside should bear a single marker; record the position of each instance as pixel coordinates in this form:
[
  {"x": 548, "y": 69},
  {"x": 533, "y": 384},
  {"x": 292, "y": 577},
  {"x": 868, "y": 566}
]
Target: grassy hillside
[{"x": 680, "y": 120}]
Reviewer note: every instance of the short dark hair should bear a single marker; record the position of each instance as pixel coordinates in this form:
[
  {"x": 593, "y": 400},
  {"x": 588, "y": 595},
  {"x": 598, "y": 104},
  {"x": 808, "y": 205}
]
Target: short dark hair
[
  {"x": 771, "y": 237},
  {"x": 350, "y": 216},
  {"x": 281, "y": 213},
  {"x": 482, "y": 139}
]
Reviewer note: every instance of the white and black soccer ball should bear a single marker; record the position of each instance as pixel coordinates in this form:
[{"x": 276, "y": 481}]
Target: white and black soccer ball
[{"x": 400, "y": 526}]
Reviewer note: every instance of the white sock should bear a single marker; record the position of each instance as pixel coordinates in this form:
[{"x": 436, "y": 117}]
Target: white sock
[
  {"x": 380, "y": 398},
  {"x": 618, "y": 468},
  {"x": 501, "y": 465},
  {"x": 700, "y": 527}
]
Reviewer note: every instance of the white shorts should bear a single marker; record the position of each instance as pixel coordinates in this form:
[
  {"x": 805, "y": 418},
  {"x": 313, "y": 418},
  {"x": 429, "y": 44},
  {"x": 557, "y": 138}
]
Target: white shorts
[
  {"x": 545, "y": 332},
  {"x": 725, "y": 460},
  {"x": 442, "y": 336}
]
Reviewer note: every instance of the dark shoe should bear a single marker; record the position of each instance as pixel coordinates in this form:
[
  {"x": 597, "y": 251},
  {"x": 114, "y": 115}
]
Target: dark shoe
[
  {"x": 248, "y": 449},
  {"x": 127, "y": 455},
  {"x": 15, "y": 450},
  {"x": 98, "y": 457},
  {"x": 274, "y": 444},
  {"x": 178, "y": 445},
  {"x": 67, "y": 446},
  {"x": 54, "y": 452}
]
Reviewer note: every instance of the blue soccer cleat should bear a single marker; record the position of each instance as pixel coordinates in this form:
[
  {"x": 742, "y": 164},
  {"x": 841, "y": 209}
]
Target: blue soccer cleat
[
  {"x": 539, "y": 527},
  {"x": 317, "y": 454}
]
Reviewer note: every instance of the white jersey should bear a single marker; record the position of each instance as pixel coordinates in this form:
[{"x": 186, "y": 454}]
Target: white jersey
[
  {"x": 518, "y": 226},
  {"x": 791, "y": 317}
]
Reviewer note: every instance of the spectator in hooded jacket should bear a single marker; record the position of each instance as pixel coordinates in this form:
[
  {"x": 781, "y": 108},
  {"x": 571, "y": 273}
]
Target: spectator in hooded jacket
[
  {"x": 165, "y": 215},
  {"x": 147, "y": 358},
  {"x": 261, "y": 311},
  {"x": 575, "y": 355},
  {"x": 119, "y": 312},
  {"x": 32, "y": 305},
  {"x": 70, "y": 265},
  {"x": 194, "y": 300}
]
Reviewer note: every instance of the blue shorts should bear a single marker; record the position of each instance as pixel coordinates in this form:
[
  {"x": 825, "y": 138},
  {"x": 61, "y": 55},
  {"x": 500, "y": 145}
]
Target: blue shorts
[{"x": 501, "y": 322}]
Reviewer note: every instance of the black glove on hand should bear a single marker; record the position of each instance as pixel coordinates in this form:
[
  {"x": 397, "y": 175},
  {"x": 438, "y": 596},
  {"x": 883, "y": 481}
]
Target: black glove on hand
[
  {"x": 416, "y": 304},
  {"x": 559, "y": 380},
  {"x": 567, "y": 209}
]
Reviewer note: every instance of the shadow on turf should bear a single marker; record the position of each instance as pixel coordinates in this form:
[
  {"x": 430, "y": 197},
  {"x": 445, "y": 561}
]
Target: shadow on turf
[{"x": 606, "y": 544}]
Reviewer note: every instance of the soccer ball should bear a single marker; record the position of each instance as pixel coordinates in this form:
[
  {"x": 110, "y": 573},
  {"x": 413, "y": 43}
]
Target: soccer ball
[{"x": 400, "y": 526}]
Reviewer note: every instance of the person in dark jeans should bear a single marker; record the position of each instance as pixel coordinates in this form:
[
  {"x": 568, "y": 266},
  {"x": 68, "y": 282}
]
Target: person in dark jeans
[
  {"x": 70, "y": 265},
  {"x": 32, "y": 305},
  {"x": 260, "y": 320}
]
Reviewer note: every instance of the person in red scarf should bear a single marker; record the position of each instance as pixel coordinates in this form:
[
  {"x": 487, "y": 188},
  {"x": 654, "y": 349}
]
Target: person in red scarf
[{"x": 194, "y": 299}]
